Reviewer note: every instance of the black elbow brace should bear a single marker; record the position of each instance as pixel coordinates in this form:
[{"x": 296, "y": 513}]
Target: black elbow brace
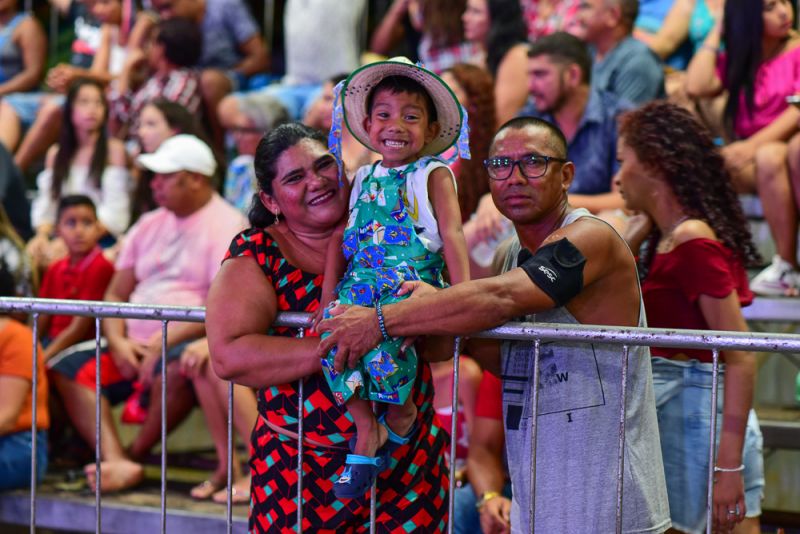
[{"x": 556, "y": 269}]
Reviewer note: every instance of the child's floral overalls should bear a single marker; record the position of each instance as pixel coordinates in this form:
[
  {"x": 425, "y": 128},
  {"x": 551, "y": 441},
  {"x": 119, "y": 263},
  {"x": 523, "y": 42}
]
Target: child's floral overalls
[{"x": 383, "y": 250}]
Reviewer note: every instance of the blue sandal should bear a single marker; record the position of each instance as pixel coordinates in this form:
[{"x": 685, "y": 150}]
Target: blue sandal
[
  {"x": 394, "y": 440},
  {"x": 360, "y": 473}
]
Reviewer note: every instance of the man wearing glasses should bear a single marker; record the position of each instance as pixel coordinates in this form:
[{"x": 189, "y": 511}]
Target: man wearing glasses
[{"x": 564, "y": 266}]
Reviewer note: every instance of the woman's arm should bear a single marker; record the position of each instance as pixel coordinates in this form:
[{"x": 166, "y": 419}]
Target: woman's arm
[
  {"x": 674, "y": 30},
  {"x": 740, "y": 370},
  {"x": 241, "y": 308},
  {"x": 511, "y": 83},
  {"x": 701, "y": 74},
  {"x": 442, "y": 192},
  {"x": 31, "y": 40},
  {"x": 390, "y": 29}
]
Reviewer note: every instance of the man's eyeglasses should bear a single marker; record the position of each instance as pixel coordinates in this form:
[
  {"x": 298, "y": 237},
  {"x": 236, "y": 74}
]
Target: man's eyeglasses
[{"x": 531, "y": 166}]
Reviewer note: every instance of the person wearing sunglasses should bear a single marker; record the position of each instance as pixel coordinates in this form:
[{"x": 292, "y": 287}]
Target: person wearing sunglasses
[{"x": 563, "y": 266}]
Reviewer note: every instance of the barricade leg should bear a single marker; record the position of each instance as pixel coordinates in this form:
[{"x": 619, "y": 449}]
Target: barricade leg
[{"x": 712, "y": 438}]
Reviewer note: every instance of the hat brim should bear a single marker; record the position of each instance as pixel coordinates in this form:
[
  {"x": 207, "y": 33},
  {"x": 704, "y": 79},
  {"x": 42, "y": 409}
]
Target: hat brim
[
  {"x": 154, "y": 162},
  {"x": 359, "y": 84}
]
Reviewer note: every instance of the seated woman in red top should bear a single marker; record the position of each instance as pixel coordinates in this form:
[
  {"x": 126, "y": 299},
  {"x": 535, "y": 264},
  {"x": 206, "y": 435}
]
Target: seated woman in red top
[{"x": 693, "y": 244}]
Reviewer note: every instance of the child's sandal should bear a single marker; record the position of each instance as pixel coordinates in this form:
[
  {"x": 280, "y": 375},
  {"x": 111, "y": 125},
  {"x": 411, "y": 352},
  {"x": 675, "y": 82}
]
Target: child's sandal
[
  {"x": 395, "y": 441},
  {"x": 360, "y": 473}
]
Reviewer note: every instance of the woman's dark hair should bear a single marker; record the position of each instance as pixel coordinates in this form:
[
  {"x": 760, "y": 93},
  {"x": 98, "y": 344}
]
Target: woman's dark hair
[
  {"x": 743, "y": 28},
  {"x": 182, "y": 41},
  {"x": 68, "y": 140},
  {"x": 183, "y": 122},
  {"x": 269, "y": 150},
  {"x": 441, "y": 19},
  {"x": 507, "y": 28},
  {"x": 472, "y": 183},
  {"x": 667, "y": 139}
]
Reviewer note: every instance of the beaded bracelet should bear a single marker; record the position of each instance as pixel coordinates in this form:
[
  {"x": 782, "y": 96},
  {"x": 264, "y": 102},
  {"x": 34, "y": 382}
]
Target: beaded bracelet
[
  {"x": 728, "y": 469},
  {"x": 381, "y": 324}
]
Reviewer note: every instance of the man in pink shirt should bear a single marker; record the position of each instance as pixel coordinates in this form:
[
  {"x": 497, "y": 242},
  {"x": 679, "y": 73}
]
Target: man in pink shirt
[{"x": 169, "y": 257}]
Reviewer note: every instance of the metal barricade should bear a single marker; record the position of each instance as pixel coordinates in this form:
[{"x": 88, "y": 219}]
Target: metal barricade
[{"x": 625, "y": 337}]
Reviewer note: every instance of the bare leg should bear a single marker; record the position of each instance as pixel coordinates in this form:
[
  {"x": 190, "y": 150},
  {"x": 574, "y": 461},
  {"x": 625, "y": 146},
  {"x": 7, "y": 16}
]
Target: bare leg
[
  {"x": 775, "y": 192},
  {"x": 212, "y": 393},
  {"x": 750, "y": 525},
  {"x": 370, "y": 435},
  {"x": 40, "y": 136},
  {"x": 179, "y": 404},
  {"x": 400, "y": 417},
  {"x": 10, "y": 127},
  {"x": 118, "y": 472}
]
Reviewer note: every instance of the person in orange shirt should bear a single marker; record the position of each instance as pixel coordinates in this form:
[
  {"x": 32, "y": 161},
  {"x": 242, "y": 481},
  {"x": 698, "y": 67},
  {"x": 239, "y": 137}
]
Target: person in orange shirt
[{"x": 16, "y": 398}]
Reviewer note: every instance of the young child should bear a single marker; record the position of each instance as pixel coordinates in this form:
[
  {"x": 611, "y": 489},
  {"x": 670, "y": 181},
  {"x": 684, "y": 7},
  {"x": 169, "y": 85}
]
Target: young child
[
  {"x": 83, "y": 275},
  {"x": 404, "y": 224}
]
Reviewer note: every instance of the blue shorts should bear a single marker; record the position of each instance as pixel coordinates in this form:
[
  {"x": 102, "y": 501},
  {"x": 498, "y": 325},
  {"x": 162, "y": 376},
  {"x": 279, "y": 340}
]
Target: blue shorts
[
  {"x": 27, "y": 105},
  {"x": 683, "y": 402},
  {"x": 15, "y": 459}
]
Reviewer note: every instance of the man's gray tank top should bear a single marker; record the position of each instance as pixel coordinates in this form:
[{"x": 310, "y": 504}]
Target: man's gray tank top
[{"x": 578, "y": 431}]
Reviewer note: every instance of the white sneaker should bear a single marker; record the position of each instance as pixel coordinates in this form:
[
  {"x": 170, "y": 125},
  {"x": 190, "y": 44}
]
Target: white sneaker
[{"x": 778, "y": 278}]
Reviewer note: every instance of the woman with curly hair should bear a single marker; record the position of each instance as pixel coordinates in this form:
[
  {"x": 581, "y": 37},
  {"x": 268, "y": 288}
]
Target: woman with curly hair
[
  {"x": 473, "y": 87},
  {"x": 694, "y": 244},
  {"x": 758, "y": 68},
  {"x": 498, "y": 28}
]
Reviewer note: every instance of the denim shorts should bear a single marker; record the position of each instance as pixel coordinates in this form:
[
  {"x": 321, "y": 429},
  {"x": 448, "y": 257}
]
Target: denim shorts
[
  {"x": 15, "y": 459},
  {"x": 683, "y": 403},
  {"x": 27, "y": 105}
]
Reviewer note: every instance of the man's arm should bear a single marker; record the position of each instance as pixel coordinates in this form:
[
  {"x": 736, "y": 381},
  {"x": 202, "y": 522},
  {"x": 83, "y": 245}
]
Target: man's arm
[
  {"x": 255, "y": 58},
  {"x": 472, "y": 306}
]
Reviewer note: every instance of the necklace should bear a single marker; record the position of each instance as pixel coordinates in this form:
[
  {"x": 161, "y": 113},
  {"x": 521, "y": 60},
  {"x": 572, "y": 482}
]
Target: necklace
[{"x": 665, "y": 244}]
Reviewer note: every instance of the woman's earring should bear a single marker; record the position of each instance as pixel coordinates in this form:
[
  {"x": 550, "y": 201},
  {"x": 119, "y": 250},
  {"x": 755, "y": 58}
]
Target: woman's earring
[{"x": 277, "y": 214}]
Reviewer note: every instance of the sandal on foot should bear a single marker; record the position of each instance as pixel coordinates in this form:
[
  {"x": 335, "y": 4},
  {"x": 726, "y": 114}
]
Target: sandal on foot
[
  {"x": 237, "y": 496},
  {"x": 358, "y": 476},
  {"x": 395, "y": 441},
  {"x": 205, "y": 490}
]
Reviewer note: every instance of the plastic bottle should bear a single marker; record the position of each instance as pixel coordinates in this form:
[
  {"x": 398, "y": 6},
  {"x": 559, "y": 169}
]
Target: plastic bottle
[{"x": 483, "y": 252}]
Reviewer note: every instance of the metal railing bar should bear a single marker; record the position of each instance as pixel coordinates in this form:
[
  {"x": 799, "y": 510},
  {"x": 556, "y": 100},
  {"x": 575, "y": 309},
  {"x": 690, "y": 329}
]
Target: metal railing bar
[
  {"x": 655, "y": 337},
  {"x": 164, "y": 427},
  {"x": 451, "y": 505},
  {"x": 537, "y": 345},
  {"x": 34, "y": 419},
  {"x": 660, "y": 337},
  {"x": 712, "y": 449},
  {"x": 300, "y": 449},
  {"x": 229, "y": 459},
  {"x": 97, "y": 423},
  {"x": 621, "y": 452}
]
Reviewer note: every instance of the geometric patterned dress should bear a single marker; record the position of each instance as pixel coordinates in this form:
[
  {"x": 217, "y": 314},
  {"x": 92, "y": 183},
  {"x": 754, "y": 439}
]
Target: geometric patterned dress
[{"x": 412, "y": 495}]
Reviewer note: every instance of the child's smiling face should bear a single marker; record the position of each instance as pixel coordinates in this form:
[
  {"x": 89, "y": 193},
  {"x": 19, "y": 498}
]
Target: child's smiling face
[{"x": 399, "y": 126}]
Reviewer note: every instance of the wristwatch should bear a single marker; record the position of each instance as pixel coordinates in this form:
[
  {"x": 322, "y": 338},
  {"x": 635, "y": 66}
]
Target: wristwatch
[{"x": 486, "y": 496}]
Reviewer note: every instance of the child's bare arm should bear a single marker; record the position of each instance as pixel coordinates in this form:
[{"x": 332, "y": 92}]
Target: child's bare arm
[
  {"x": 72, "y": 334},
  {"x": 335, "y": 265},
  {"x": 442, "y": 192}
]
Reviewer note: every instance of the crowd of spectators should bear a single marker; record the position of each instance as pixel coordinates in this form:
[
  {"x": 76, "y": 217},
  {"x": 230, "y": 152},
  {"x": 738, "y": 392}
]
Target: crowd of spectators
[{"x": 142, "y": 148}]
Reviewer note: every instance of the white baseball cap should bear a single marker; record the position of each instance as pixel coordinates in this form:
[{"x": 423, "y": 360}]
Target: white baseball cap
[{"x": 180, "y": 153}]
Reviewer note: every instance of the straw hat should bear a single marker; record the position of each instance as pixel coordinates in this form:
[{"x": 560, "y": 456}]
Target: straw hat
[{"x": 359, "y": 84}]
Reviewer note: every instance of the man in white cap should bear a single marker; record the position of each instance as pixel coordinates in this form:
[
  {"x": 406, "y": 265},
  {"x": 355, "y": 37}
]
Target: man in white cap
[{"x": 169, "y": 257}]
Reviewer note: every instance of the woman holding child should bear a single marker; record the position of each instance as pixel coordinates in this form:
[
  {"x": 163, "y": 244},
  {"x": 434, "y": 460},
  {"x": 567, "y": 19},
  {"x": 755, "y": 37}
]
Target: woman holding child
[{"x": 276, "y": 266}]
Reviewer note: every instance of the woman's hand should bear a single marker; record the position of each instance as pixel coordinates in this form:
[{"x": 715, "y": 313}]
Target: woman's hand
[
  {"x": 728, "y": 497},
  {"x": 738, "y": 154},
  {"x": 496, "y": 516},
  {"x": 195, "y": 358},
  {"x": 354, "y": 332}
]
